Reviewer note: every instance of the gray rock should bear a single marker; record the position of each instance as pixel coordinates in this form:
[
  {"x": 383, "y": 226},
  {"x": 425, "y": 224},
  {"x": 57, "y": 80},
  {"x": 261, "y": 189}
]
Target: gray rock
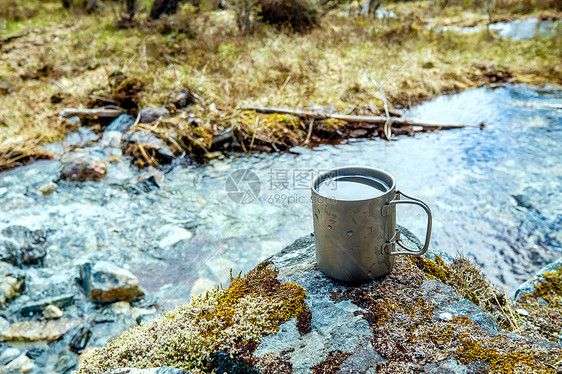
[
  {"x": 448, "y": 366},
  {"x": 81, "y": 166},
  {"x": 529, "y": 286},
  {"x": 333, "y": 325},
  {"x": 19, "y": 245},
  {"x": 105, "y": 282},
  {"x": 121, "y": 123},
  {"x": 152, "y": 114}
]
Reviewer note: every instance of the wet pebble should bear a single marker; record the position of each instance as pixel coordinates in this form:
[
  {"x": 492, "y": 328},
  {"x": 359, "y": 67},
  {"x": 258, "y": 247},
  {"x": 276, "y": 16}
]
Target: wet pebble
[
  {"x": 52, "y": 312},
  {"x": 48, "y": 188}
]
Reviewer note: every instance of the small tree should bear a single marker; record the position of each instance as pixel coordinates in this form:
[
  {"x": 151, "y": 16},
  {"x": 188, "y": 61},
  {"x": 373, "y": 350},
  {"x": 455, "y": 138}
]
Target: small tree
[{"x": 246, "y": 15}]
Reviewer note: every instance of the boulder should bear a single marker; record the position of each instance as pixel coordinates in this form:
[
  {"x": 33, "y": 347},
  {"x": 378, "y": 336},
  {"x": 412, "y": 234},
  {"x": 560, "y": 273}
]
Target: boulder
[
  {"x": 83, "y": 166},
  {"x": 21, "y": 246},
  {"x": 286, "y": 316},
  {"x": 106, "y": 283},
  {"x": 148, "y": 115},
  {"x": 33, "y": 331}
]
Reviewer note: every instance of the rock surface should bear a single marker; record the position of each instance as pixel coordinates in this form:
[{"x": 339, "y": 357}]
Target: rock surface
[
  {"x": 20, "y": 245},
  {"x": 105, "y": 282}
]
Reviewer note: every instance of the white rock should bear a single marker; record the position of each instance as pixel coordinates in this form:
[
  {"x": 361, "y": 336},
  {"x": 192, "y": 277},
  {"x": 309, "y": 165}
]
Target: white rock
[
  {"x": 522, "y": 312},
  {"x": 23, "y": 364},
  {"x": 169, "y": 235},
  {"x": 446, "y": 317}
]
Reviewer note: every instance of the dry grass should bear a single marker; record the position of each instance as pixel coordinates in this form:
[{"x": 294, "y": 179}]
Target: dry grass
[{"x": 68, "y": 56}]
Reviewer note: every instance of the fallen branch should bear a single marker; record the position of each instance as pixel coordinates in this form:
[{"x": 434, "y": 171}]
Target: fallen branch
[
  {"x": 366, "y": 119},
  {"x": 105, "y": 112}
]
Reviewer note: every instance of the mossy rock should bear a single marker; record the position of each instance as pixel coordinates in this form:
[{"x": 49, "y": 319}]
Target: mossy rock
[{"x": 286, "y": 316}]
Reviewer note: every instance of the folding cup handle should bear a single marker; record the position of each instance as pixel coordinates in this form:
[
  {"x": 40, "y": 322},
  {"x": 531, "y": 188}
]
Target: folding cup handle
[{"x": 396, "y": 239}]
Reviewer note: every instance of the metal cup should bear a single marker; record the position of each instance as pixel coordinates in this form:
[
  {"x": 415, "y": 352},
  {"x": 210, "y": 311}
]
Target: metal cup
[{"x": 356, "y": 239}]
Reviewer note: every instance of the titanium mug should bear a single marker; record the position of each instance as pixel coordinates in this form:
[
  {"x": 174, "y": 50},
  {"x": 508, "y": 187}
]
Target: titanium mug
[{"x": 356, "y": 239}]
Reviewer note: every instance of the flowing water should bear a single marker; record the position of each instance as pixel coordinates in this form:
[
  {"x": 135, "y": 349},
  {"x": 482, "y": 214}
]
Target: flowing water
[
  {"x": 517, "y": 30},
  {"x": 495, "y": 196}
]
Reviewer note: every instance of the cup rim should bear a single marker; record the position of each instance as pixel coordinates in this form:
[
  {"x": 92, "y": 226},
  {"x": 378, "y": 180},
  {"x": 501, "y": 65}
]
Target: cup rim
[{"x": 322, "y": 176}]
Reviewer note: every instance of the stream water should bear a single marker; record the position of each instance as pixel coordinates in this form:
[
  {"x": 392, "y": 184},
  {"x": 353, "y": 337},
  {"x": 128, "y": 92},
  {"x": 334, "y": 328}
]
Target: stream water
[{"x": 494, "y": 192}]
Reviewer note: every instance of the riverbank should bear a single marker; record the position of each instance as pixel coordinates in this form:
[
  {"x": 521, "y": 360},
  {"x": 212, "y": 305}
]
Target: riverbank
[{"x": 199, "y": 68}]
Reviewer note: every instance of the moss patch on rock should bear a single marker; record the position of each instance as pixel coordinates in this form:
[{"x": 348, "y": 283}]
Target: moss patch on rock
[
  {"x": 233, "y": 319},
  {"x": 469, "y": 282},
  {"x": 408, "y": 335}
]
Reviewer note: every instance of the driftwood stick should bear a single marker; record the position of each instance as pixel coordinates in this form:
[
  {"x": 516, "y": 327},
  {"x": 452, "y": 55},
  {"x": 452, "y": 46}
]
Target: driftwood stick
[
  {"x": 368, "y": 119},
  {"x": 222, "y": 136},
  {"x": 106, "y": 112}
]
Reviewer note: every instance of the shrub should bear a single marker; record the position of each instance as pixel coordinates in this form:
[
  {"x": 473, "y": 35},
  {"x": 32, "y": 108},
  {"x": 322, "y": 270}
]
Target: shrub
[{"x": 292, "y": 15}]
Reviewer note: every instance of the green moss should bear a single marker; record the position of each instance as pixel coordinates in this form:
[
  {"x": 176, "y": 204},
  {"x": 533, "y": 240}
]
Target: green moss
[
  {"x": 223, "y": 319},
  {"x": 550, "y": 287}
]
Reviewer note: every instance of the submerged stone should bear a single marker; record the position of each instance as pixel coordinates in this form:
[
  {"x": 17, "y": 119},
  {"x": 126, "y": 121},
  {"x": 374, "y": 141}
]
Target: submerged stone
[{"x": 121, "y": 123}]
